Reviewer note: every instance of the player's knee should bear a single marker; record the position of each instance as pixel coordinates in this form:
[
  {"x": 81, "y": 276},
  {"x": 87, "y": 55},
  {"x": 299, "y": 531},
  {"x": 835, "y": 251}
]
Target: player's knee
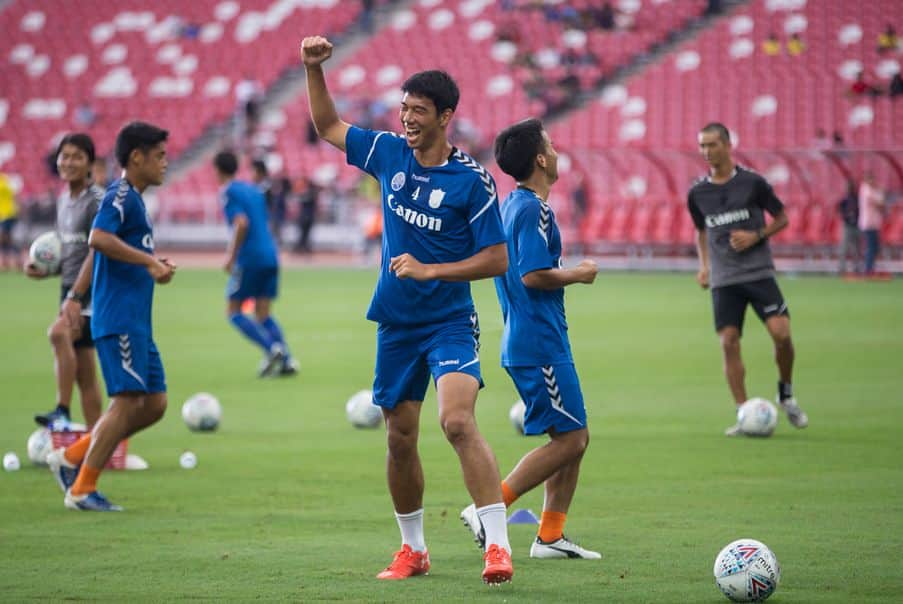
[
  {"x": 155, "y": 406},
  {"x": 401, "y": 443},
  {"x": 730, "y": 340},
  {"x": 577, "y": 442},
  {"x": 58, "y": 334},
  {"x": 456, "y": 426}
]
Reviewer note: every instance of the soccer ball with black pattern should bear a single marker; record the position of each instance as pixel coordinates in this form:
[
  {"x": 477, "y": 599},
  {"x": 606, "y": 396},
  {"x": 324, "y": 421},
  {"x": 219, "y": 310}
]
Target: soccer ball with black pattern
[
  {"x": 747, "y": 571},
  {"x": 202, "y": 412}
]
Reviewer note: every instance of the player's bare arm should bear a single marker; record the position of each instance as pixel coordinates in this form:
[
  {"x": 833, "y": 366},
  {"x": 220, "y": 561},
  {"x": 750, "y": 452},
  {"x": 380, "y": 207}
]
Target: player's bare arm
[
  {"x": 702, "y": 250},
  {"x": 742, "y": 240},
  {"x": 112, "y": 246},
  {"x": 490, "y": 261},
  {"x": 555, "y": 278},
  {"x": 314, "y": 51},
  {"x": 239, "y": 234},
  {"x": 72, "y": 305}
]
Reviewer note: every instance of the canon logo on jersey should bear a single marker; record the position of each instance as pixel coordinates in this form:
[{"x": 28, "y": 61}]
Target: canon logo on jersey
[
  {"x": 716, "y": 220},
  {"x": 418, "y": 219}
]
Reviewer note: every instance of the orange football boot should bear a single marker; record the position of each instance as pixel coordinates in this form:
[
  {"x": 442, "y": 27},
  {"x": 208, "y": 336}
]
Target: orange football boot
[{"x": 408, "y": 563}]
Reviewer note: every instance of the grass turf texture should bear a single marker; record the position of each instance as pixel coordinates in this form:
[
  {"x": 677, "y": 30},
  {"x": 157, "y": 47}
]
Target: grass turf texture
[{"x": 288, "y": 502}]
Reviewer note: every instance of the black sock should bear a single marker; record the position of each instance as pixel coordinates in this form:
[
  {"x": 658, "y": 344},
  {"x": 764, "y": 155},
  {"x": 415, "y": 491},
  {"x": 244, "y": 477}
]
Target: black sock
[
  {"x": 63, "y": 410},
  {"x": 785, "y": 391}
]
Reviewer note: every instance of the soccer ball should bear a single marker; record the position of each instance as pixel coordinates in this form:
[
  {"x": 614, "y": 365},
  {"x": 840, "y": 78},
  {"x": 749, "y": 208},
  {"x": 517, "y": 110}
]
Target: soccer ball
[
  {"x": 202, "y": 412},
  {"x": 40, "y": 444},
  {"x": 46, "y": 251},
  {"x": 361, "y": 411},
  {"x": 757, "y": 417},
  {"x": 747, "y": 571},
  {"x": 516, "y": 415}
]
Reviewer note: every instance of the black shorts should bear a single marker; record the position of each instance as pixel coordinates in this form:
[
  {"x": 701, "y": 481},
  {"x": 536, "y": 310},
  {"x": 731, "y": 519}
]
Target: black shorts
[
  {"x": 729, "y": 302},
  {"x": 86, "y": 340}
]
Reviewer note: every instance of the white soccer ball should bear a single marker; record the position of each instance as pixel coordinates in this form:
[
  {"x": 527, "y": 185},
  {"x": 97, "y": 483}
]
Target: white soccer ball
[
  {"x": 757, "y": 417},
  {"x": 202, "y": 412},
  {"x": 40, "y": 444},
  {"x": 747, "y": 571},
  {"x": 361, "y": 411},
  {"x": 46, "y": 251},
  {"x": 188, "y": 460},
  {"x": 11, "y": 461},
  {"x": 516, "y": 415}
]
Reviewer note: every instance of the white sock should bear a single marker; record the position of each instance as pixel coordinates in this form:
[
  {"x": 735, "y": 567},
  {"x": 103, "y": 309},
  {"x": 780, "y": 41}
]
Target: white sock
[
  {"x": 411, "y": 526},
  {"x": 495, "y": 523}
]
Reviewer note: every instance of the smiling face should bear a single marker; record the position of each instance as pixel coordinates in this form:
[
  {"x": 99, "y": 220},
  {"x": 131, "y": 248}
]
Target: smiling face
[
  {"x": 423, "y": 124},
  {"x": 72, "y": 163}
]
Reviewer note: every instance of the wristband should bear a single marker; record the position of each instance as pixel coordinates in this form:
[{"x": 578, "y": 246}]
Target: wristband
[{"x": 72, "y": 295}]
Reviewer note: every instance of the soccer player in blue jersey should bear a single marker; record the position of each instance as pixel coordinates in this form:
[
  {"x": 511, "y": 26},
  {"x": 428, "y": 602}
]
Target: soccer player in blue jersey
[
  {"x": 536, "y": 351},
  {"x": 442, "y": 230},
  {"x": 253, "y": 265},
  {"x": 125, "y": 270}
]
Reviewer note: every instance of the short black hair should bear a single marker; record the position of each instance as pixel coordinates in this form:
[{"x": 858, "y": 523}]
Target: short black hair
[
  {"x": 435, "y": 85},
  {"x": 79, "y": 140},
  {"x": 517, "y": 146},
  {"x": 719, "y": 128},
  {"x": 226, "y": 162},
  {"x": 137, "y": 135},
  {"x": 260, "y": 166}
]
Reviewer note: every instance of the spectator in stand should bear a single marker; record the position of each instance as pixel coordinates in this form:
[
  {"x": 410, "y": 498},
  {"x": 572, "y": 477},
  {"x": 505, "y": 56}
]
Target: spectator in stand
[
  {"x": 771, "y": 45},
  {"x": 9, "y": 215},
  {"x": 280, "y": 189},
  {"x": 848, "y": 207},
  {"x": 837, "y": 139},
  {"x": 248, "y": 95},
  {"x": 896, "y": 86},
  {"x": 795, "y": 45},
  {"x": 888, "y": 39},
  {"x": 307, "y": 214},
  {"x": 100, "y": 172},
  {"x": 862, "y": 87},
  {"x": 604, "y": 17},
  {"x": 84, "y": 114},
  {"x": 871, "y": 217},
  {"x": 821, "y": 142}
]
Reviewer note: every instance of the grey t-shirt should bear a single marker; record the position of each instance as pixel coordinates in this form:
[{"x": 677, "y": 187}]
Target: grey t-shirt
[
  {"x": 74, "y": 218},
  {"x": 737, "y": 204}
]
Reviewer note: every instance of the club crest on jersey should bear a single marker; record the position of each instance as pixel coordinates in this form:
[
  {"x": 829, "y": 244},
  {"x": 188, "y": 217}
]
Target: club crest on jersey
[
  {"x": 397, "y": 181},
  {"x": 436, "y": 197}
]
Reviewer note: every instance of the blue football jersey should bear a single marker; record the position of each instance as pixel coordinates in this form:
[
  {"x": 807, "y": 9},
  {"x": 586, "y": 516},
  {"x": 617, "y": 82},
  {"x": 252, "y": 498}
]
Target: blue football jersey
[
  {"x": 438, "y": 214},
  {"x": 122, "y": 292},
  {"x": 258, "y": 248},
  {"x": 535, "y": 331}
]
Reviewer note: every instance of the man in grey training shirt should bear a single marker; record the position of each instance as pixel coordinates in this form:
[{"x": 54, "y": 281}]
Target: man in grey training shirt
[
  {"x": 728, "y": 208},
  {"x": 70, "y": 333}
]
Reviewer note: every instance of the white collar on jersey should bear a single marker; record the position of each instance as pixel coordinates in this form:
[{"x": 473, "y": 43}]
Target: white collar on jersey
[{"x": 708, "y": 177}]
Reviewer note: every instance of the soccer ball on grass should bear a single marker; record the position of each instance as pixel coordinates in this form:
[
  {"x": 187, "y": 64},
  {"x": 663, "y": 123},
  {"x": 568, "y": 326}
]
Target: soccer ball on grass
[
  {"x": 747, "y": 571},
  {"x": 202, "y": 412},
  {"x": 757, "y": 417}
]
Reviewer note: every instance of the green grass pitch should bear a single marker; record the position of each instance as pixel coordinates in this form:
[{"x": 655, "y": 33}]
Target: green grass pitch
[{"x": 288, "y": 501}]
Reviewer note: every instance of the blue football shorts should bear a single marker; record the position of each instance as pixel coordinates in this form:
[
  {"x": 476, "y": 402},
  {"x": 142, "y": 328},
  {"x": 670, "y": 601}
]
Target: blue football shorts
[
  {"x": 407, "y": 355},
  {"x": 253, "y": 282},
  {"x": 553, "y": 397},
  {"x": 130, "y": 363}
]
